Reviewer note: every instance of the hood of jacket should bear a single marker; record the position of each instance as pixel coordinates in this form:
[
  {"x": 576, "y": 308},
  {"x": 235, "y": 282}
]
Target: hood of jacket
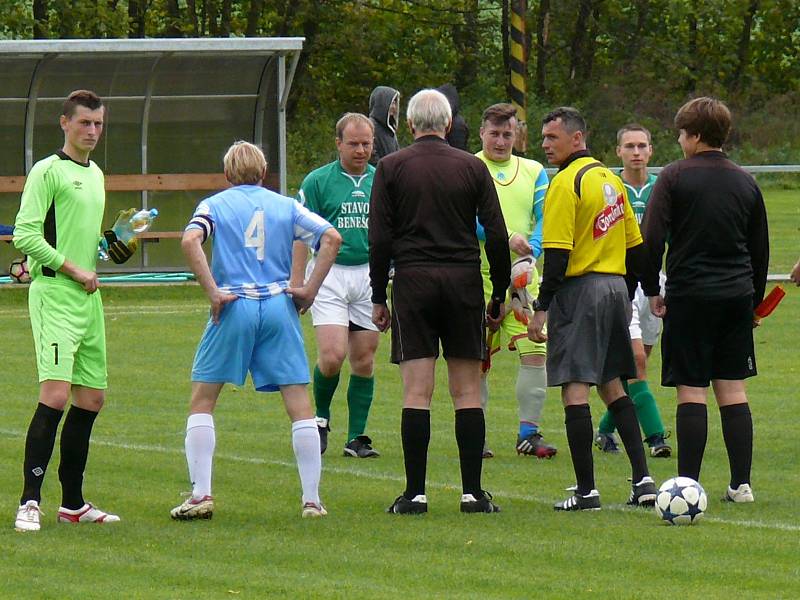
[
  {"x": 451, "y": 93},
  {"x": 380, "y": 100}
]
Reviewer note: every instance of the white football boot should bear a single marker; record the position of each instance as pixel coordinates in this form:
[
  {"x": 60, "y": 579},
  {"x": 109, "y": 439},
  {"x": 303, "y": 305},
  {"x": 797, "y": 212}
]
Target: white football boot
[
  {"x": 743, "y": 493},
  {"x": 28, "y": 517}
]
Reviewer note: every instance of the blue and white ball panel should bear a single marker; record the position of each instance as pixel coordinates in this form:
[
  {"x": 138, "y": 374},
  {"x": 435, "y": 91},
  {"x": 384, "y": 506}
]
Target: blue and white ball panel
[
  {"x": 260, "y": 336},
  {"x": 681, "y": 501}
]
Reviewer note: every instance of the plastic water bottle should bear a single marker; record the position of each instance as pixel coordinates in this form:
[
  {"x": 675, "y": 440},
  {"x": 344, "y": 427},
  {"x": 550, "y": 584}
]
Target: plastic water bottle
[
  {"x": 102, "y": 250},
  {"x": 139, "y": 222}
]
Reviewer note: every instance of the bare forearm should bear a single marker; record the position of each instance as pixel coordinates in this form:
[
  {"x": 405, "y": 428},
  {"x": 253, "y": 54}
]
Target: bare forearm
[
  {"x": 198, "y": 264},
  {"x": 328, "y": 249},
  {"x": 299, "y": 258}
]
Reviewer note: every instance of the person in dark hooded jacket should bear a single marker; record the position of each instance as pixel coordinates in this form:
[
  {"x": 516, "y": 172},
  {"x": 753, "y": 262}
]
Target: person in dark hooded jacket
[
  {"x": 384, "y": 106},
  {"x": 458, "y": 135}
]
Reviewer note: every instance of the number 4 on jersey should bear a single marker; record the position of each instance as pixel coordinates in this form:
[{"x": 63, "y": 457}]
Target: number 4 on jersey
[{"x": 254, "y": 234}]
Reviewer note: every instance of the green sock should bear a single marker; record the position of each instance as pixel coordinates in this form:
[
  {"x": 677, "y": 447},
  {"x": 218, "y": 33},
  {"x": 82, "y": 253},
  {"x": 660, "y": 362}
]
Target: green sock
[
  {"x": 324, "y": 388},
  {"x": 359, "y": 399},
  {"x": 646, "y": 408},
  {"x": 607, "y": 424}
]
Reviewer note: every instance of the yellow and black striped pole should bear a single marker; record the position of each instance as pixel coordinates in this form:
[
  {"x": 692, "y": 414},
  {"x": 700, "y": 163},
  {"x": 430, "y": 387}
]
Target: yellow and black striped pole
[{"x": 518, "y": 63}]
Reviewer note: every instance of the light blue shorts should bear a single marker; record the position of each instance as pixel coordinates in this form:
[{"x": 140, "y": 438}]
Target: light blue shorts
[{"x": 260, "y": 336}]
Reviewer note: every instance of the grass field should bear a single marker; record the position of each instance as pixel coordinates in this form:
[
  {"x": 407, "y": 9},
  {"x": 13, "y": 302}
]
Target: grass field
[{"x": 257, "y": 546}]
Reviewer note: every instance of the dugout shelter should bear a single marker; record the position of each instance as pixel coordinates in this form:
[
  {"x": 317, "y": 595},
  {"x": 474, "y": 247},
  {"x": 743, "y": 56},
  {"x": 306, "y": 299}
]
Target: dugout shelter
[{"x": 173, "y": 106}]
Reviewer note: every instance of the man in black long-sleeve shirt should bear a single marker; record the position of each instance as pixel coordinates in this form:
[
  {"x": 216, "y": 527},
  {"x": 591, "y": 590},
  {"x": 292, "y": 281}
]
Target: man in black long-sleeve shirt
[
  {"x": 712, "y": 214},
  {"x": 422, "y": 216}
]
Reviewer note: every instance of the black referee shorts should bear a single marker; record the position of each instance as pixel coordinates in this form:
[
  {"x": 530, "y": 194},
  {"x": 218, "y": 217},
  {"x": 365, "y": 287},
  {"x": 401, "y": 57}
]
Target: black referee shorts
[
  {"x": 707, "y": 339},
  {"x": 433, "y": 304}
]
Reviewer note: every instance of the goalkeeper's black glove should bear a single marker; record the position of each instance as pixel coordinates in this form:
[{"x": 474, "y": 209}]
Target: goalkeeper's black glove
[{"x": 117, "y": 250}]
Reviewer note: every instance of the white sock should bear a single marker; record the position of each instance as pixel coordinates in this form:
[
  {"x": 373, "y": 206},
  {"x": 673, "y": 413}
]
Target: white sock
[
  {"x": 200, "y": 442},
  {"x": 531, "y": 392},
  {"x": 485, "y": 392},
  {"x": 305, "y": 441}
]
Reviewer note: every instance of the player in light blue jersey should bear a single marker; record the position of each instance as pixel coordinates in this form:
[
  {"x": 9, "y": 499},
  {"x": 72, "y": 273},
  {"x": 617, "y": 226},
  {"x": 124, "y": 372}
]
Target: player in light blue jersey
[{"x": 254, "y": 324}]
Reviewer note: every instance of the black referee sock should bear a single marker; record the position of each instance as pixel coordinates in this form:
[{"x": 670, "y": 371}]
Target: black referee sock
[
  {"x": 74, "y": 452},
  {"x": 691, "y": 427},
  {"x": 470, "y": 435},
  {"x": 38, "y": 449},
  {"x": 628, "y": 427},
  {"x": 580, "y": 434},
  {"x": 737, "y": 430},
  {"x": 415, "y": 429}
]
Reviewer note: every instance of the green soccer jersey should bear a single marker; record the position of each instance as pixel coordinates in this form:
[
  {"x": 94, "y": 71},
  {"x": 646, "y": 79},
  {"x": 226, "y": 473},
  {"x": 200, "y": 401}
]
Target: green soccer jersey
[
  {"x": 342, "y": 200},
  {"x": 60, "y": 216},
  {"x": 639, "y": 196}
]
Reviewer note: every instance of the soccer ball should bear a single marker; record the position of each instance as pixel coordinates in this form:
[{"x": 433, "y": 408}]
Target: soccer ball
[
  {"x": 18, "y": 270},
  {"x": 681, "y": 501}
]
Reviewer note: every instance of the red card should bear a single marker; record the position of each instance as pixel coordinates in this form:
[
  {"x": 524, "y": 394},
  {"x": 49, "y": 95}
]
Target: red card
[{"x": 770, "y": 302}]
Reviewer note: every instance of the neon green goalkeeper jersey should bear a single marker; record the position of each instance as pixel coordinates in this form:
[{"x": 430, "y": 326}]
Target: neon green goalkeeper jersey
[
  {"x": 343, "y": 201},
  {"x": 60, "y": 216}
]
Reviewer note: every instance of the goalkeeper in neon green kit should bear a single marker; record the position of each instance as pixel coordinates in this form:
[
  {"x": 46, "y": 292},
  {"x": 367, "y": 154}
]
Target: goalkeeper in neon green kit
[
  {"x": 521, "y": 185},
  {"x": 58, "y": 226}
]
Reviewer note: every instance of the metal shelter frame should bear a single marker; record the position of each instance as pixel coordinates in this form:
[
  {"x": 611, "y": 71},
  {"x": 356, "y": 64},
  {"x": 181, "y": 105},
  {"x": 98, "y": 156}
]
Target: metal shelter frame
[
  {"x": 45, "y": 51},
  {"x": 248, "y": 81}
]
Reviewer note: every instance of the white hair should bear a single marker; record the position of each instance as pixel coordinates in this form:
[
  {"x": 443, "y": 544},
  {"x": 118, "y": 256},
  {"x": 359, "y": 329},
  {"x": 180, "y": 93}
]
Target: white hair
[{"x": 429, "y": 110}]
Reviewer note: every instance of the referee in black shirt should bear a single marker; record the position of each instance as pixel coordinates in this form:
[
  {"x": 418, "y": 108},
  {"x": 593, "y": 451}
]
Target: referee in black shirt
[
  {"x": 712, "y": 213},
  {"x": 423, "y": 206}
]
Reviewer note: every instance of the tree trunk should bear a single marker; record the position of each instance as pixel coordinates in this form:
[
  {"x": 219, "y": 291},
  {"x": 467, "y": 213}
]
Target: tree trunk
[
  {"x": 587, "y": 56},
  {"x": 191, "y": 8},
  {"x": 225, "y": 19},
  {"x": 641, "y": 22},
  {"x": 254, "y": 17},
  {"x": 289, "y": 11},
  {"x": 743, "y": 49},
  {"x": 41, "y": 29},
  {"x": 579, "y": 38},
  {"x": 542, "y": 43},
  {"x": 691, "y": 77},
  {"x": 136, "y": 14},
  {"x": 173, "y": 25},
  {"x": 310, "y": 28},
  {"x": 213, "y": 26},
  {"x": 464, "y": 36}
]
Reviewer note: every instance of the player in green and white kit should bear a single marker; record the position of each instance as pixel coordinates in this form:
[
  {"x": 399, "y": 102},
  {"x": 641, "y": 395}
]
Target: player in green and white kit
[
  {"x": 521, "y": 185},
  {"x": 342, "y": 312},
  {"x": 634, "y": 147},
  {"x": 58, "y": 226}
]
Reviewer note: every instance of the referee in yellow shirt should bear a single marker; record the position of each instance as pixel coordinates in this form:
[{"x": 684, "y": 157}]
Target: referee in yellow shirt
[{"x": 589, "y": 232}]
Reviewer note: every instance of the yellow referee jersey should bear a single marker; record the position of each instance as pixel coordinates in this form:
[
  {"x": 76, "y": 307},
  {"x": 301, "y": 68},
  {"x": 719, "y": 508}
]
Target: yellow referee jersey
[{"x": 587, "y": 212}]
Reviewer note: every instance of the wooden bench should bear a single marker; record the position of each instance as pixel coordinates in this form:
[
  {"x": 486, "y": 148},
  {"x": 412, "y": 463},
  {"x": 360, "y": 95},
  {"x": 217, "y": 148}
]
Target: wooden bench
[{"x": 163, "y": 182}]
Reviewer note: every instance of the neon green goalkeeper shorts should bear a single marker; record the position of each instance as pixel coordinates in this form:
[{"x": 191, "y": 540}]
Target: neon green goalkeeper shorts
[
  {"x": 69, "y": 334},
  {"x": 512, "y": 333}
]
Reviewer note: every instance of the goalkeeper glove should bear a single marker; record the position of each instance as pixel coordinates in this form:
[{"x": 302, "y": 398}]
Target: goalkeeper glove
[
  {"x": 521, "y": 277},
  {"x": 117, "y": 250}
]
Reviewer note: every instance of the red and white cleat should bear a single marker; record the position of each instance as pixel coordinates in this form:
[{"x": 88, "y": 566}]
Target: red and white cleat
[{"x": 88, "y": 513}]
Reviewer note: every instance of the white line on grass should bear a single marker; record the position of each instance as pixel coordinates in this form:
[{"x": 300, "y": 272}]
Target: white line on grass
[{"x": 396, "y": 479}]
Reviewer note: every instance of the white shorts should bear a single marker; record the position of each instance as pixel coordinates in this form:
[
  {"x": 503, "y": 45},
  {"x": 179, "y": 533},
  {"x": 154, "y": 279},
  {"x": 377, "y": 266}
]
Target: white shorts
[
  {"x": 645, "y": 325},
  {"x": 344, "y": 297}
]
